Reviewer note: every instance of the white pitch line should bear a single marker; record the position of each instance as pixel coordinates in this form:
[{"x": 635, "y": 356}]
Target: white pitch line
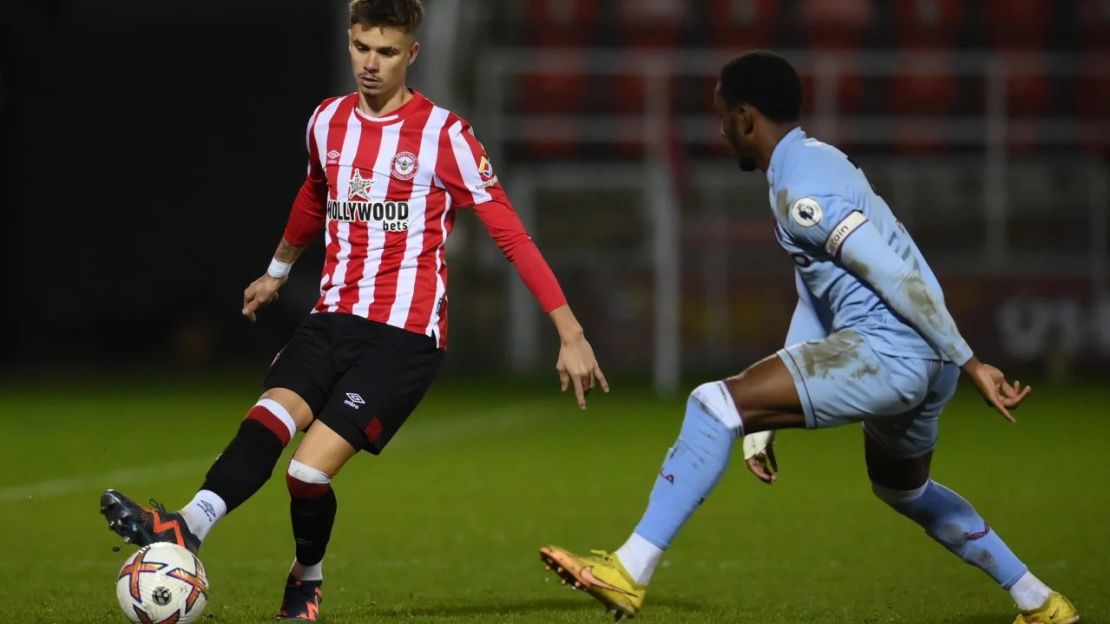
[
  {"x": 453, "y": 428},
  {"x": 127, "y": 476}
]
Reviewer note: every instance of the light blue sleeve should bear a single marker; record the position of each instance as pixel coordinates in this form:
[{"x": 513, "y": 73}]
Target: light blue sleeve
[
  {"x": 861, "y": 249},
  {"x": 806, "y": 324},
  {"x": 809, "y": 220}
]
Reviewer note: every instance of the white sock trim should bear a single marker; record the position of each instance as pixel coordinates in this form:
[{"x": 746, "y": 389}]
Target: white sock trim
[
  {"x": 307, "y": 474},
  {"x": 302, "y": 572},
  {"x": 717, "y": 400},
  {"x": 893, "y": 497},
  {"x": 281, "y": 413},
  {"x": 639, "y": 557},
  {"x": 1029, "y": 592}
]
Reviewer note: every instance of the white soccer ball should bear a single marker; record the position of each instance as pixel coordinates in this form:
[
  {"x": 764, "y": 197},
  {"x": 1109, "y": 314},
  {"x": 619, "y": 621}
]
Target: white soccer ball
[{"x": 162, "y": 583}]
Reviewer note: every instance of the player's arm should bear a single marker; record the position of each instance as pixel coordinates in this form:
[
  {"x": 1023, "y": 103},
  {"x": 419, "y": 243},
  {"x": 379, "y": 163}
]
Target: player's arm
[
  {"x": 306, "y": 220},
  {"x": 576, "y": 364},
  {"x": 861, "y": 248},
  {"x": 468, "y": 177}
]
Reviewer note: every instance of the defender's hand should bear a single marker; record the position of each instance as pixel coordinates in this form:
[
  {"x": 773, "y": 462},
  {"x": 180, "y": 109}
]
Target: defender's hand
[
  {"x": 759, "y": 454},
  {"x": 992, "y": 384},
  {"x": 262, "y": 291},
  {"x": 578, "y": 365}
]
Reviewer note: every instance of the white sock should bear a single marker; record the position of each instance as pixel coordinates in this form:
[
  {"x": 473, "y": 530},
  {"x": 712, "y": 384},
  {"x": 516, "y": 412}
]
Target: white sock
[
  {"x": 639, "y": 557},
  {"x": 307, "y": 573},
  {"x": 204, "y": 511},
  {"x": 1029, "y": 592}
]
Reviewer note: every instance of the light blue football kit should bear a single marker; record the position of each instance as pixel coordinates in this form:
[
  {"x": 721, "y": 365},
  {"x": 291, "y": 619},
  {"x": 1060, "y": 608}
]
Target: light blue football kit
[
  {"x": 851, "y": 348},
  {"x": 870, "y": 341}
]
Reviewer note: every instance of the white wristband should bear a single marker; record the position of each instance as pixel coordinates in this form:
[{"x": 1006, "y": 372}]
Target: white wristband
[{"x": 279, "y": 269}]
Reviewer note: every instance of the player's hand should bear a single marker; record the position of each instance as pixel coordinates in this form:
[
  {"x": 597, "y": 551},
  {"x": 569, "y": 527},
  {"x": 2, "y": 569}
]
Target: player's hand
[
  {"x": 759, "y": 454},
  {"x": 577, "y": 366},
  {"x": 998, "y": 393},
  {"x": 262, "y": 291}
]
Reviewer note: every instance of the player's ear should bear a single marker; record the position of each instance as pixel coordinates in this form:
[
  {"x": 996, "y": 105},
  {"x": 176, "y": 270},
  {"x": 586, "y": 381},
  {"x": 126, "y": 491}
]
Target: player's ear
[
  {"x": 747, "y": 120},
  {"x": 413, "y": 51}
]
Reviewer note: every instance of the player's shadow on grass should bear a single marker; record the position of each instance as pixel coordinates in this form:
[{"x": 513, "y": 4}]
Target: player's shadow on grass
[{"x": 509, "y": 607}]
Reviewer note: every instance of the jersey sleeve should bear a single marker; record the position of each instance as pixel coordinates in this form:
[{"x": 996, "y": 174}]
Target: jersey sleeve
[
  {"x": 817, "y": 222},
  {"x": 865, "y": 253},
  {"x": 505, "y": 228},
  {"x": 306, "y": 218},
  {"x": 465, "y": 169}
]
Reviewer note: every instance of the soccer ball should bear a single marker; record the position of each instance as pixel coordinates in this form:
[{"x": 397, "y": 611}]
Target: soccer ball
[{"x": 162, "y": 583}]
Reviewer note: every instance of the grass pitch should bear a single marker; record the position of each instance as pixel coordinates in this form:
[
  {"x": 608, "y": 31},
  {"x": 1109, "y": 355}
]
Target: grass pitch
[{"x": 444, "y": 527}]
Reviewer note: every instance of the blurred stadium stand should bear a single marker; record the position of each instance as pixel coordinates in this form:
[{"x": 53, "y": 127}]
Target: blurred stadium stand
[{"x": 985, "y": 123}]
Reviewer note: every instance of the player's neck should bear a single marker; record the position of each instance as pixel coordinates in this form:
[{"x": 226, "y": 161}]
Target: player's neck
[
  {"x": 384, "y": 104},
  {"x": 768, "y": 140}
]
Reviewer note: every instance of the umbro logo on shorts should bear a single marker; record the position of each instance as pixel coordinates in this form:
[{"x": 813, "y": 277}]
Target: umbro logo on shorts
[{"x": 354, "y": 400}]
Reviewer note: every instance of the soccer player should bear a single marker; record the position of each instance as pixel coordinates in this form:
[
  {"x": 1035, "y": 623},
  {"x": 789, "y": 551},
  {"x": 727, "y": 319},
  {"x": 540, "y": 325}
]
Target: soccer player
[
  {"x": 388, "y": 171},
  {"x": 870, "y": 341}
]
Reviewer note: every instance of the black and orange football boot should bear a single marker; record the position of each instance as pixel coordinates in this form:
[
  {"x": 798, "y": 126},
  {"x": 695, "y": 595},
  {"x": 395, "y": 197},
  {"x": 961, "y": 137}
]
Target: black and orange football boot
[
  {"x": 301, "y": 602},
  {"x": 142, "y": 526}
]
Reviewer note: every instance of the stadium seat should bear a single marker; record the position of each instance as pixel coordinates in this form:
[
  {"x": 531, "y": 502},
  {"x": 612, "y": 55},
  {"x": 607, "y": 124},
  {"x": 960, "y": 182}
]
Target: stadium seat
[
  {"x": 743, "y": 24},
  {"x": 1093, "y": 25},
  {"x": 652, "y": 23},
  {"x": 924, "y": 94},
  {"x": 561, "y": 23},
  {"x": 1028, "y": 93},
  {"x": 562, "y": 93},
  {"x": 836, "y": 24},
  {"x": 1018, "y": 24},
  {"x": 927, "y": 23}
]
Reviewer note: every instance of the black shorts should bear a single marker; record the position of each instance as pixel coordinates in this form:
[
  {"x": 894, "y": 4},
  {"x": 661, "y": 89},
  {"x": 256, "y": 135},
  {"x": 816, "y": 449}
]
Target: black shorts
[{"x": 360, "y": 378}]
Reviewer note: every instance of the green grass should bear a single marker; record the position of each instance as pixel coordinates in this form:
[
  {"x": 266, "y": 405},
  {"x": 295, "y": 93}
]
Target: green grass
[{"x": 445, "y": 525}]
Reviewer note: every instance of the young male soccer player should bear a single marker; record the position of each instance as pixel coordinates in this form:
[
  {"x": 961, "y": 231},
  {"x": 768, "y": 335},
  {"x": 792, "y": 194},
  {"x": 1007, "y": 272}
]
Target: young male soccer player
[
  {"x": 870, "y": 341},
  {"x": 387, "y": 171}
]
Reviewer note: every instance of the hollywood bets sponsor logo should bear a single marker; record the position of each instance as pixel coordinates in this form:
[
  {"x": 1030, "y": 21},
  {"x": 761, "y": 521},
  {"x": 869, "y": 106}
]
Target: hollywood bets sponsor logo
[{"x": 392, "y": 215}]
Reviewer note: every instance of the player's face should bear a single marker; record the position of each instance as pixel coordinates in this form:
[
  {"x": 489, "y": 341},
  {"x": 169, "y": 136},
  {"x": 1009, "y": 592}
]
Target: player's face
[
  {"x": 380, "y": 57},
  {"x": 736, "y": 128}
]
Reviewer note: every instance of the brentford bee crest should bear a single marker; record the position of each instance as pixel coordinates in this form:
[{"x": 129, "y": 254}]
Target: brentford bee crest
[{"x": 405, "y": 165}]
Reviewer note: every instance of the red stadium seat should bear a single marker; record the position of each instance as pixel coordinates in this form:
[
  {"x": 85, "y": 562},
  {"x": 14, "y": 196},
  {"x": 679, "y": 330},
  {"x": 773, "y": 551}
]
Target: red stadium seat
[
  {"x": 561, "y": 23},
  {"x": 849, "y": 93},
  {"x": 838, "y": 24},
  {"x": 1094, "y": 24},
  {"x": 652, "y": 23},
  {"x": 924, "y": 94},
  {"x": 743, "y": 24},
  {"x": 1018, "y": 24},
  {"x": 562, "y": 93},
  {"x": 1028, "y": 93},
  {"x": 927, "y": 23}
]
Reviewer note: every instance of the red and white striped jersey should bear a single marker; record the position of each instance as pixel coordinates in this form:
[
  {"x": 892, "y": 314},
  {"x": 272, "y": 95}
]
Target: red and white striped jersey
[{"x": 384, "y": 189}]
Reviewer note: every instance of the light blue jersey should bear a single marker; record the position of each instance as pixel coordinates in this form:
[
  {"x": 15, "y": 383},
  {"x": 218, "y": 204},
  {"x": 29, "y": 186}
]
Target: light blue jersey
[{"x": 884, "y": 290}]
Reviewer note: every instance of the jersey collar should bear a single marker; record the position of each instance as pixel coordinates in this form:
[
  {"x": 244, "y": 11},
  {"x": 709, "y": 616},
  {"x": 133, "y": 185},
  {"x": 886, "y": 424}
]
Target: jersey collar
[{"x": 779, "y": 153}]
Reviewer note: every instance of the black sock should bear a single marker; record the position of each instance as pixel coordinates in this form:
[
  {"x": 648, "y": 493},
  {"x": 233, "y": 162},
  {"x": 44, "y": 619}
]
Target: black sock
[
  {"x": 245, "y": 465},
  {"x": 313, "y": 517}
]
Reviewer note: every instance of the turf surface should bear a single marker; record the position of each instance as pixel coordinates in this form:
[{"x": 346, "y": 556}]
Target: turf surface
[{"x": 444, "y": 526}]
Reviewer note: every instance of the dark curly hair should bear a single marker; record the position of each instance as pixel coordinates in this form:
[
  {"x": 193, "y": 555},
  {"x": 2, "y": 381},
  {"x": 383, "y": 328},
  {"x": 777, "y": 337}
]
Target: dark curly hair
[
  {"x": 764, "y": 80},
  {"x": 403, "y": 14}
]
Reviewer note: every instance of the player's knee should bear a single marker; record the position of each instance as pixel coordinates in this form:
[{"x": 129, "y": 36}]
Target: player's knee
[
  {"x": 304, "y": 481},
  {"x": 715, "y": 399}
]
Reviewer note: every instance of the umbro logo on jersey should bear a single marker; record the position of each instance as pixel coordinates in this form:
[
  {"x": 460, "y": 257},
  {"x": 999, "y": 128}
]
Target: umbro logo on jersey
[
  {"x": 354, "y": 400},
  {"x": 333, "y": 157}
]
